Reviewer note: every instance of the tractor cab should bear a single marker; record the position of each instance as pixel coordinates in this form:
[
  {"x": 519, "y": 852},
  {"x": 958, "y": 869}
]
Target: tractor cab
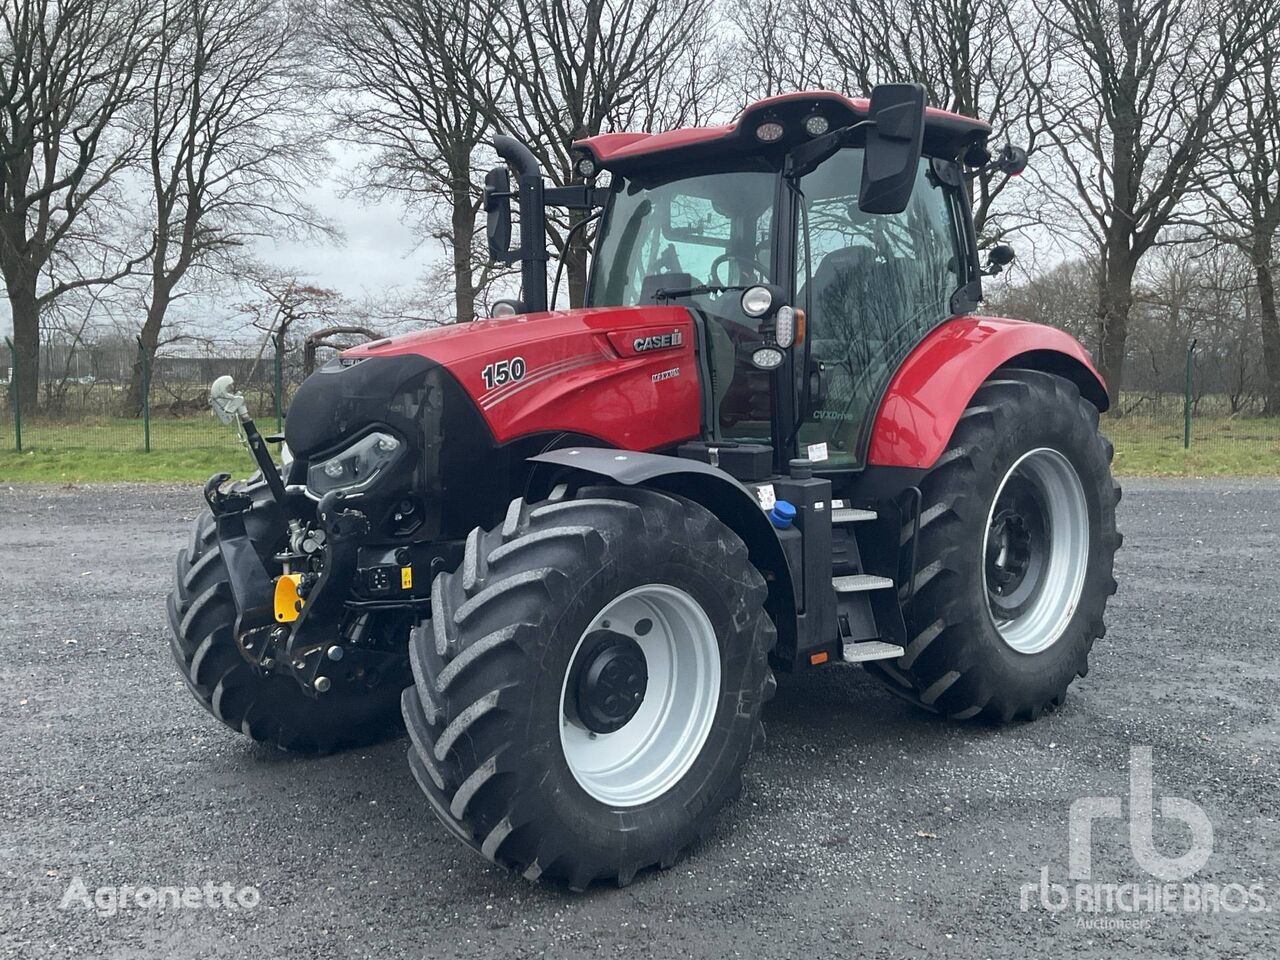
[{"x": 816, "y": 240}]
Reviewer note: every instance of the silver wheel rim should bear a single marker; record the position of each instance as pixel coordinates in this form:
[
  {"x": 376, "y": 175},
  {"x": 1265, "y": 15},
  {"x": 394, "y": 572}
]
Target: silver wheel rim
[
  {"x": 1043, "y": 491},
  {"x": 655, "y": 748}
]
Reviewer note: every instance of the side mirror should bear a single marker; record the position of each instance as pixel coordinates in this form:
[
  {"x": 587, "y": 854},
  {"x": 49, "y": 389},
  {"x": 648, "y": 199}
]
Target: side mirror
[
  {"x": 497, "y": 208},
  {"x": 894, "y": 143},
  {"x": 999, "y": 257},
  {"x": 1012, "y": 161}
]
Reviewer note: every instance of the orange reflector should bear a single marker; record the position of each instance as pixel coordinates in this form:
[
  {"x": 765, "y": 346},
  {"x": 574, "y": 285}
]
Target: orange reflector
[
  {"x": 800, "y": 338},
  {"x": 288, "y": 603},
  {"x": 817, "y": 658}
]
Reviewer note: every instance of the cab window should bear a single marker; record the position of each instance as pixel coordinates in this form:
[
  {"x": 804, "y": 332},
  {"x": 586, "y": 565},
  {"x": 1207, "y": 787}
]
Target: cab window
[
  {"x": 873, "y": 286},
  {"x": 697, "y": 240}
]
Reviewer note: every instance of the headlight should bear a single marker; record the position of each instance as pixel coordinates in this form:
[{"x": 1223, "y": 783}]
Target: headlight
[
  {"x": 355, "y": 468},
  {"x": 757, "y": 301}
]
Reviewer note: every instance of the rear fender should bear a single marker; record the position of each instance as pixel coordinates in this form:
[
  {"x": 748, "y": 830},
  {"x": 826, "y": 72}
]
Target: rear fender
[
  {"x": 731, "y": 502},
  {"x": 929, "y": 392}
]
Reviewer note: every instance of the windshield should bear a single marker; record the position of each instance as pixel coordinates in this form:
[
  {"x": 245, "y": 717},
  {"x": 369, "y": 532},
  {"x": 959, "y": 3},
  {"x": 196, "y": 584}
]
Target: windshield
[
  {"x": 713, "y": 230},
  {"x": 671, "y": 240}
]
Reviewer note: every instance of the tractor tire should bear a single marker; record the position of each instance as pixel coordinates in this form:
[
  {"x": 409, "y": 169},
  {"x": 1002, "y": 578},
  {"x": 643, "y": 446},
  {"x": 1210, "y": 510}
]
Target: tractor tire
[
  {"x": 267, "y": 707},
  {"x": 1014, "y": 558},
  {"x": 590, "y": 684}
]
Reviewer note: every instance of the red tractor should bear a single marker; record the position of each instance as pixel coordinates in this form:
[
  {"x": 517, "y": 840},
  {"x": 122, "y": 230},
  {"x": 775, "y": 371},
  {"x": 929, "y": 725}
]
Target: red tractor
[{"x": 570, "y": 548}]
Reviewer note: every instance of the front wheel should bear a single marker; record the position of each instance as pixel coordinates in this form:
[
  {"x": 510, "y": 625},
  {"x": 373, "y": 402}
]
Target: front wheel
[
  {"x": 1014, "y": 558},
  {"x": 590, "y": 684},
  {"x": 265, "y": 706}
]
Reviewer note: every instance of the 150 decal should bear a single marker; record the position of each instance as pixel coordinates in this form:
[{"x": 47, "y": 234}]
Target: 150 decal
[{"x": 504, "y": 371}]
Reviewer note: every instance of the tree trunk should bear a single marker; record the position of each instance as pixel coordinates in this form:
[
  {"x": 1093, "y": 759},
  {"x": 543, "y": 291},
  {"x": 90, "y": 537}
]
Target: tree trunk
[
  {"x": 1115, "y": 299},
  {"x": 149, "y": 337},
  {"x": 1270, "y": 328},
  {"x": 464, "y": 228},
  {"x": 25, "y": 310}
]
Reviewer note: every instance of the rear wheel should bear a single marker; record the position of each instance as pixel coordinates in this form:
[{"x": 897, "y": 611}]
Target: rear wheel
[
  {"x": 1014, "y": 560},
  {"x": 264, "y": 706},
  {"x": 590, "y": 684}
]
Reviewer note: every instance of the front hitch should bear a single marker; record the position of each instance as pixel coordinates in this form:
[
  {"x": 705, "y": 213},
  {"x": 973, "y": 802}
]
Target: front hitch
[
  {"x": 230, "y": 407},
  {"x": 311, "y": 648},
  {"x": 314, "y": 648}
]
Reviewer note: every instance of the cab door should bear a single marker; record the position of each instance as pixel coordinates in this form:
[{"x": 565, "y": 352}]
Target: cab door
[{"x": 872, "y": 287}]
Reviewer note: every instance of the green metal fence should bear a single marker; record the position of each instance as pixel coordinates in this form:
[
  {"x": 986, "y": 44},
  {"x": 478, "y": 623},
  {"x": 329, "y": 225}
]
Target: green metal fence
[
  {"x": 1156, "y": 432},
  {"x": 95, "y": 414}
]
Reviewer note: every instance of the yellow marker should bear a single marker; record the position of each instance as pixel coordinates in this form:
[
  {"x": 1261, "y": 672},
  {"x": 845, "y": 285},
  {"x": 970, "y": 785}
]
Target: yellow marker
[
  {"x": 288, "y": 603},
  {"x": 406, "y": 578}
]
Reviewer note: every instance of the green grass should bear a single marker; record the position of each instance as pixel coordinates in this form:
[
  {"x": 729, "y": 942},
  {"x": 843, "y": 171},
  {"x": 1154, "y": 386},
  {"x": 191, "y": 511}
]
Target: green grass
[
  {"x": 189, "y": 450},
  {"x": 111, "y": 449},
  {"x": 1220, "y": 447}
]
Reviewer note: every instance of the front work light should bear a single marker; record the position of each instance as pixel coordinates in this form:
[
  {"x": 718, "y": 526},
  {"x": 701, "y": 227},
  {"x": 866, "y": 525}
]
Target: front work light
[
  {"x": 815, "y": 124},
  {"x": 767, "y": 358},
  {"x": 769, "y": 132}
]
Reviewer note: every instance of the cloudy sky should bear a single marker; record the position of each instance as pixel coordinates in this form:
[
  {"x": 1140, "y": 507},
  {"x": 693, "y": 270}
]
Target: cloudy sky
[{"x": 377, "y": 252}]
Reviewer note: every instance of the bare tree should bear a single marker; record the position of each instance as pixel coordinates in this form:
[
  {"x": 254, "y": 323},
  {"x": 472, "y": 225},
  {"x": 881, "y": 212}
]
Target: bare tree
[
  {"x": 69, "y": 72},
  {"x": 1243, "y": 184},
  {"x": 579, "y": 67},
  {"x": 410, "y": 78},
  {"x": 1059, "y": 296},
  {"x": 981, "y": 58},
  {"x": 779, "y": 48},
  {"x": 230, "y": 142},
  {"x": 1133, "y": 109}
]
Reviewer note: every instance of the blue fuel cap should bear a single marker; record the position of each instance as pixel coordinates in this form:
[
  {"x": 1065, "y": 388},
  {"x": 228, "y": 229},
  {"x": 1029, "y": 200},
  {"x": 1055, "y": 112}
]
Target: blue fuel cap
[{"x": 782, "y": 514}]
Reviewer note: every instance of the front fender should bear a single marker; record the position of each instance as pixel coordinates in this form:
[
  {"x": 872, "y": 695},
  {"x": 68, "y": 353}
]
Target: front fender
[
  {"x": 929, "y": 392},
  {"x": 714, "y": 489}
]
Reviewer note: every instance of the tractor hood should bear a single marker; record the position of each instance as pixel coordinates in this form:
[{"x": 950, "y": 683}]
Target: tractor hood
[
  {"x": 620, "y": 376},
  {"x": 460, "y": 342}
]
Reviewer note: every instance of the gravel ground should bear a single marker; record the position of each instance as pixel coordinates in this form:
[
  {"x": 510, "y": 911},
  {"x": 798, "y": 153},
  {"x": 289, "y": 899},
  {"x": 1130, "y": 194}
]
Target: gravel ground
[{"x": 867, "y": 828}]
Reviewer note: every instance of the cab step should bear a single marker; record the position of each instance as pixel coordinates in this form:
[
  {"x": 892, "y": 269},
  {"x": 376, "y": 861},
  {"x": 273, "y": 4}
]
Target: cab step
[
  {"x": 851, "y": 515},
  {"x": 871, "y": 650},
  {"x": 859, "y": 583}
]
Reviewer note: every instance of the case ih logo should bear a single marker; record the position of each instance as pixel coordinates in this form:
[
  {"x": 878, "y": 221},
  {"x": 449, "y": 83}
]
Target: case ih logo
[{"x": 658, "y": 342}]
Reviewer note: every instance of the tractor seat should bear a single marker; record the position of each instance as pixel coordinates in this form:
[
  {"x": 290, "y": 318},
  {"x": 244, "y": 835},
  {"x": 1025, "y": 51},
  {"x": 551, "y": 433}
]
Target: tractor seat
[{"x": 840, "y": 284}]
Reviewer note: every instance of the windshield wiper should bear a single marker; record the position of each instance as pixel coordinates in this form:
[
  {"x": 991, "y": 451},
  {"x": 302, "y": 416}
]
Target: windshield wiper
[{"x": 677, "y": 292}]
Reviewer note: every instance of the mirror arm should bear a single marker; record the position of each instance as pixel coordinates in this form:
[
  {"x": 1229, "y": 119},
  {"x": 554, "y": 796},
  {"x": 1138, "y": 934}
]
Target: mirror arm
[
  {"x": 578, "y": 196},
  {"x": 808, "y": 156}
]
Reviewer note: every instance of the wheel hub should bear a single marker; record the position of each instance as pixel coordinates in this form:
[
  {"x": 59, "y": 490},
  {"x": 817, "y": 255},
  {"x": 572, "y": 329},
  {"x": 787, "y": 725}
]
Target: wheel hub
[
  {"x": 1017, "y": 545},
  {"x": 640, "y": 695},
  {"x": 612, "y": 680},
  {"x": 1036, "y": 550}
]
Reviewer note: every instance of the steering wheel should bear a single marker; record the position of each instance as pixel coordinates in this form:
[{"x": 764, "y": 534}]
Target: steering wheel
[{"x": 760, "y": 271}]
